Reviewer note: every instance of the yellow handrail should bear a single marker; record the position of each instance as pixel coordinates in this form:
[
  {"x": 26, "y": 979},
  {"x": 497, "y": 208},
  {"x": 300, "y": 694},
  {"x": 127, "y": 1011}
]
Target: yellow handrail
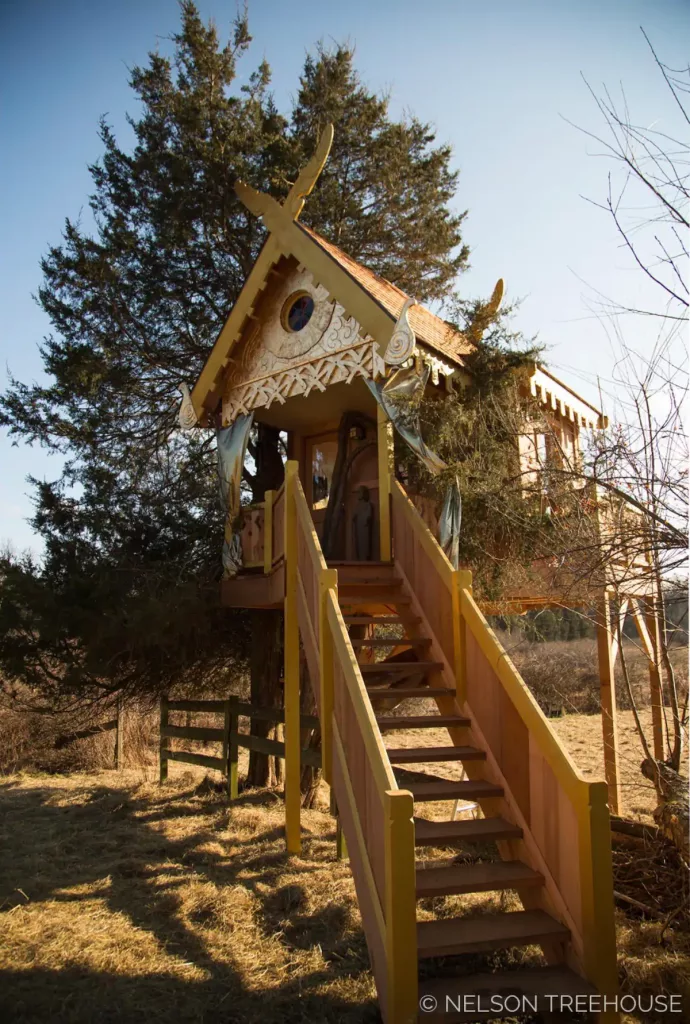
[
  {"x": 588, "y": 799},
  {"x": 391, "y": 921}
]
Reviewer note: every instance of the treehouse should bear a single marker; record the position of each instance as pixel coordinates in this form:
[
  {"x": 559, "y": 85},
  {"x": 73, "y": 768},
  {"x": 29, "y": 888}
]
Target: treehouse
[{"x": 333, "y": 359}]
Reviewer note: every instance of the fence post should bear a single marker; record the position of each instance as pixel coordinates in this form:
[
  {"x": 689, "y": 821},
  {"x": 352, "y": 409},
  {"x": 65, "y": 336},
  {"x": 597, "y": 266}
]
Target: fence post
[
  {"x": 293, "y": 796},
  {"x": 400, "y": 908},
  {"x": 119, "y": 734},
  {"x": 328, "y": 580},
  {"x": 163, "y": 741},
  {"x": 230, "y": 746}
]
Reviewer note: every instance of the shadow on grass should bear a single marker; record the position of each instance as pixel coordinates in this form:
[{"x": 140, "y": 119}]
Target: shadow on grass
[{"x": 108, "y": 843}]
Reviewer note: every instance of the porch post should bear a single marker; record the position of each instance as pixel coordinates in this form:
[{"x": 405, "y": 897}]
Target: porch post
[
  {"x": 384, "y": 437},
  {"x": 291, "y": 653}
]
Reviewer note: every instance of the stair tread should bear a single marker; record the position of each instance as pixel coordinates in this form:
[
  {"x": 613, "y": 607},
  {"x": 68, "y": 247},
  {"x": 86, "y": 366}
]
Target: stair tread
[
  {"x": 483, "y": 877},
  {"x": 405, "y": 692},
  {"x": 421, "y": 755},
  {"x": 400, "y": 666},
  {"x": 378, "y": 620},
  {"x": 468, "y": 830},
  {"x": 477, "y": 933},
  {"x": 361, "y": 597},
  {"x": 531, "y": 982},
  {"x": 448, "y": 789},
  {"x": 422, "y": 721},
  {"x": 393, "y": 641},
  {"x": 375, "y": 582}
]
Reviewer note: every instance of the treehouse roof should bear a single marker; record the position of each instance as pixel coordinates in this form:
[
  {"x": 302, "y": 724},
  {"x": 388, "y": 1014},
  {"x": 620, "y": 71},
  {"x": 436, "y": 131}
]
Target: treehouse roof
[
  {"x": 381, "y": 327},
  {"x": 428, "y": 327}
]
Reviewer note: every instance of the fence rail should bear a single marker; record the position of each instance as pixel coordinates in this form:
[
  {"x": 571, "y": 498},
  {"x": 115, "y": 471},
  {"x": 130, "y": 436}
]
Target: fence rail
[{"x": 229, "y": 735}]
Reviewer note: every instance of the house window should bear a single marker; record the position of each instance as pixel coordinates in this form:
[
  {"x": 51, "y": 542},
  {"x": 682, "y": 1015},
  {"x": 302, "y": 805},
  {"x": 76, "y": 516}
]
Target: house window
[
  {"x": 323, "y": 455},
  {"x": 297, "y": 312}
]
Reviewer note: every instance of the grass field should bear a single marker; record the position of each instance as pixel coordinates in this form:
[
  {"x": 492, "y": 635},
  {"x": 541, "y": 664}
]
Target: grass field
[
  {"x": 122, "y": 901},
  {"x": 126, "y": 902}
]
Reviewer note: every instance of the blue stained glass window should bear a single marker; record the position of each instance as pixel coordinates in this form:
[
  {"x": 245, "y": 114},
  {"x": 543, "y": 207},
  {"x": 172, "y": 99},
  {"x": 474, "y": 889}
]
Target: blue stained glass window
[{"x": 300, "y": 312}]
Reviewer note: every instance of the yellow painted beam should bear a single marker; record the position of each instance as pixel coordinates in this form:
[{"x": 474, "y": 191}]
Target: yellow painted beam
[
  {"x": 291, "y": 655},
  {"x": 596, "y": 882},
  {"x": 384, "y": 431},
  {"x": 607, "y": 687},
  {"x": 309, "y": 174},
  {"x": 400, "y": 908},
  {"x": 205, "y": 391}
]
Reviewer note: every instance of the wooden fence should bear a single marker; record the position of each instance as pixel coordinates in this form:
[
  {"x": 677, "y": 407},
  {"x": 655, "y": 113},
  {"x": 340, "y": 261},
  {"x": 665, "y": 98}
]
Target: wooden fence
[{"x": 232, "y": 709}]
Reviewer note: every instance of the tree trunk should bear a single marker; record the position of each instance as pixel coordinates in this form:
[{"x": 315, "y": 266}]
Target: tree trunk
[
  {"x": 266, "y": 659},
  {"x": 266, "y": 664},
  {"x": 310, "y": 739}
]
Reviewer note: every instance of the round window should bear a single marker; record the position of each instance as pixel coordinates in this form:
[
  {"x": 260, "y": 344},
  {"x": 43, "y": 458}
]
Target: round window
[{"x": 298, "y": 312}]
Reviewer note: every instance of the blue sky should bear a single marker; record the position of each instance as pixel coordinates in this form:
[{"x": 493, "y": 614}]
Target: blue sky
[{"x": 496, "y": 79}]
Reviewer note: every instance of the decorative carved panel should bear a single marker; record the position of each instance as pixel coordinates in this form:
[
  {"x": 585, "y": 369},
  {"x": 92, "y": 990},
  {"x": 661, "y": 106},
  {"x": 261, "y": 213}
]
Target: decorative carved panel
[{"x": 274, "y": 363}]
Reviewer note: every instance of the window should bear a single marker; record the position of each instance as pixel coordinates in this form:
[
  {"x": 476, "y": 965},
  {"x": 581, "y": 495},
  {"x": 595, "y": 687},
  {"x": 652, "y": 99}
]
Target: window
[
  {"x": 298, "y": 312},
  {"x": 323, "y": 456}
]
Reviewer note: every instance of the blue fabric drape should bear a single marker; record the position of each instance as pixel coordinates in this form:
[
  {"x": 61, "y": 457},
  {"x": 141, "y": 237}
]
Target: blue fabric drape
[
  {"x": 232, "y": 448},
  {"x": 400, "y": 396}
]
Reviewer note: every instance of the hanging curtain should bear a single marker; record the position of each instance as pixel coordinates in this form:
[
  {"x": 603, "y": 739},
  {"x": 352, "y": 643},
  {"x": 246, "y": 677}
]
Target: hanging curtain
[
  {"x": 400, "y": 396},
  {"x": 232, "y": 448}
]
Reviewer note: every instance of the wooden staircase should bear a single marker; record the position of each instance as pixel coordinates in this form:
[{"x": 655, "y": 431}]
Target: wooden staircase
[
  {"x": 409, "y": 680},
  {"x": 392, "y": 649}
]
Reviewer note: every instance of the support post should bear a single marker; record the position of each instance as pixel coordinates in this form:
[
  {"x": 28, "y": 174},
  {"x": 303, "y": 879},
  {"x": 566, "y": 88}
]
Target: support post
[
  {"x": 268, "y": 531},
  {"x": 386, "y": 466},
  {"x": 400, "y": 910},
  {"x": 230, "y": 747},
  {"x": 292, "y": 669},
  {"x": 657, "y": 693},
  {"x": 119, "y": 735},
  {"x": 163, "y": 742},
  {"x": 607, "y": 687},
  {"x": 328, "y": 580}
]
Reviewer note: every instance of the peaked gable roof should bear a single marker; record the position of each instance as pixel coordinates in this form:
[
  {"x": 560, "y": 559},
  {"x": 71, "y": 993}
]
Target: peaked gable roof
[{"x": 428, "y": 328}]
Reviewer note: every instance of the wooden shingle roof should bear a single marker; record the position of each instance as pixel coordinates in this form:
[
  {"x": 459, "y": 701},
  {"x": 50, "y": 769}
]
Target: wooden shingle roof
[{"x": 429, "y": 329}]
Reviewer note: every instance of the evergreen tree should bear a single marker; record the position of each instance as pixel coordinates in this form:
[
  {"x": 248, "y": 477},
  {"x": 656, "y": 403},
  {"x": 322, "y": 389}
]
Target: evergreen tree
[{"x": 126, "y": 596}]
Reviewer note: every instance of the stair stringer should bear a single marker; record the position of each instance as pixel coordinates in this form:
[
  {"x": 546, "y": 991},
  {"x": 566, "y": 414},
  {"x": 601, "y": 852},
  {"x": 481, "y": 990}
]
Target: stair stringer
[{"x": 547, "y": 897}]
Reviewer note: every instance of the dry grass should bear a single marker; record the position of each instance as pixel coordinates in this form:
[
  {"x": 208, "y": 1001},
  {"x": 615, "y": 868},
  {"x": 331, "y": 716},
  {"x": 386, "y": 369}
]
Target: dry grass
[{"x": 127, "y": 902}]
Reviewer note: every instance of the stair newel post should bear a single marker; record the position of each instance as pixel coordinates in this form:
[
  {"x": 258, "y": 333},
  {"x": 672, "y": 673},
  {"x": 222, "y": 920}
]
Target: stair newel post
[
  {"x": 230, "y": 748},
  {"x": 400, "y": 908},
  {"x": 291, "y": 655},
  {"x": 328, "y": 582},
  {"x": 462, "y": 580},
  {"x": 596, "y": 882}
]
